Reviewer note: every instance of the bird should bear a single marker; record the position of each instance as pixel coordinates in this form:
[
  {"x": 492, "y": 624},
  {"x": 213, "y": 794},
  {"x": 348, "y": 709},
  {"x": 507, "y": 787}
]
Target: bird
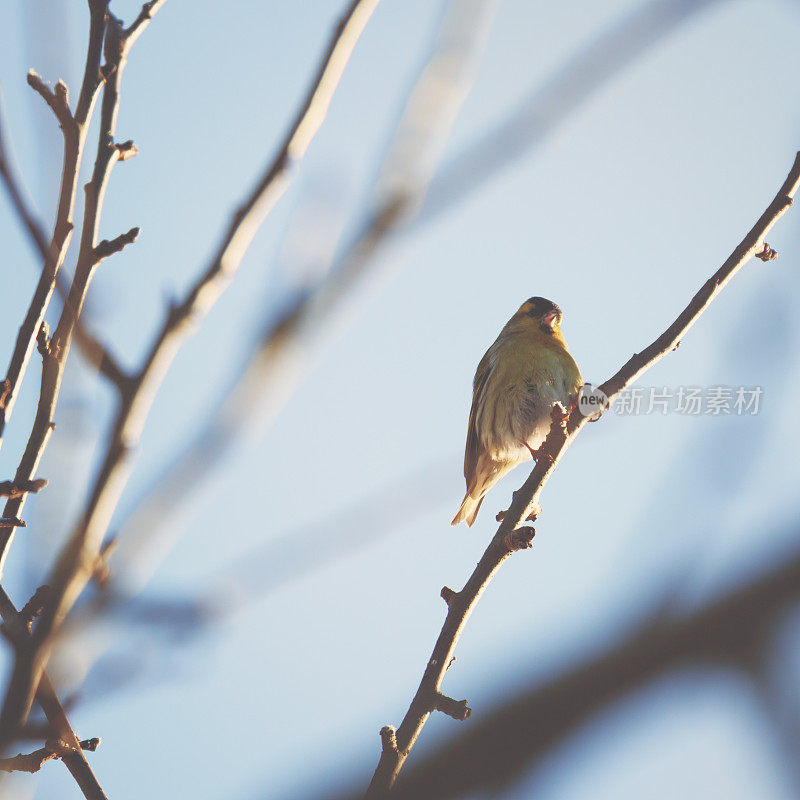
[{"x": 519, "y": 380}]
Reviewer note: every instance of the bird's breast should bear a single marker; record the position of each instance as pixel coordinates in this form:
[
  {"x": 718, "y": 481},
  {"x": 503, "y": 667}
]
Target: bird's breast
[{"x": 521, "y": 390}]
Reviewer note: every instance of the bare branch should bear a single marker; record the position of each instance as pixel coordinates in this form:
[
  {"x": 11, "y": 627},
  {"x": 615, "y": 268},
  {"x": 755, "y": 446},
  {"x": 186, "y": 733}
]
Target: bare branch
[
  {"x": 126, "y": 150},
  {"x": 765, "y": 254},
  {"x": 12, "y": 489},
  {"x": 79, "y": 557},
  {"x": 108, "y": 247},
  {"x": 58, "y": 100},
  {"x": 74, "y": 129},
  {"x": 389, "y": 738},
  {"x": 457, "y": 709},
  {"x": 447, "y": 594},
  {"x": 33, "y": 762},
  {"x": 43, "y": 340},
  {"x": 34, "y": 330},
  {"x": 46, "y": 697},
  {"x": 97, "y": 354},
  {"x": 93, "y": 78},
  {"x": 526, "y": 498},
  {"x": 390, "y": 756},
  {"x": 143, "y": 20},
  {"x": 29, "y": 666},
  {"x": 35, "y": 605},
  {"x": 520, "y": 539}
]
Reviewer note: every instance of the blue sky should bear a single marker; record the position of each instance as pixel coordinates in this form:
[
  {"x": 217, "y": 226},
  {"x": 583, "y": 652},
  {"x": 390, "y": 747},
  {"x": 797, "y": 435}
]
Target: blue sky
[{"x": 618, "y": 216}]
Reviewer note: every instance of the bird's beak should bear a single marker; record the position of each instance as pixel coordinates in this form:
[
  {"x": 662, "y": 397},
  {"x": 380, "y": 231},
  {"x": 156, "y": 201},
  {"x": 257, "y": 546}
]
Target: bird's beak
[{"x": 550, "y": 319}]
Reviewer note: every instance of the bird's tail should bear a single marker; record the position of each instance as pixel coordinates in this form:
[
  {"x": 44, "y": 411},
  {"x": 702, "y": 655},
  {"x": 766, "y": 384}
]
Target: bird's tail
[{"x": 468, "y": 510}]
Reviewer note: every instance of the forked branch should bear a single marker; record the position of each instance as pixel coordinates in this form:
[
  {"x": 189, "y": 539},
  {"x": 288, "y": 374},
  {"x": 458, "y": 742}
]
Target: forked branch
[
  {"x": 97, "y": 354},
  {"x": 79, "y": 558},
  {"x": 54, "y": 351}
]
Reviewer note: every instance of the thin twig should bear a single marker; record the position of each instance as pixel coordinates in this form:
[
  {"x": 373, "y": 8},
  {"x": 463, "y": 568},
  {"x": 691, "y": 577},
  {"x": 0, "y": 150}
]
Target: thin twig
[
  {"x": 74, "y": 128},
  {"x": 46, "y": 697},
  {"x": 95, "y": 353},
  {"x": 562, "y": 433},
  {"x": 107, "y": 37},
  {"x": 34, "y": 606},
  {"x": 12, "y": 489},
  {"x": 79, "y": 557},
  {"x": 108, "y": 247},
  {"x": 147, "y": 13},
  {"x": 33, "y": 762}
]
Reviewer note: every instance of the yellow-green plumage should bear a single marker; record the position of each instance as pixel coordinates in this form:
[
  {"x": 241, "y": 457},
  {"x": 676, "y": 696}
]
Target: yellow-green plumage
[{"x": 518, "y": 381}]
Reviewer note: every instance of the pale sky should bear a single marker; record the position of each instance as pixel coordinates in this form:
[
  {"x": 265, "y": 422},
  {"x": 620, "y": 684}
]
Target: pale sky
[{"x": 619, "y": 216}]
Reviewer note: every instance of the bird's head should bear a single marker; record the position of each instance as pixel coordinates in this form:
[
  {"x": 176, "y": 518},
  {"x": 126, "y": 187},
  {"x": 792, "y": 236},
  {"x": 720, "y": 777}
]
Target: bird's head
[{"x": 537, "y": 315}]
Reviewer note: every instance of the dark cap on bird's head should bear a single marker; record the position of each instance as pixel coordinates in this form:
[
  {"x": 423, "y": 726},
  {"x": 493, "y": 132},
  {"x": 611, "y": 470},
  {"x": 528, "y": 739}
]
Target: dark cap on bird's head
[{"x": 545, "y": 311}]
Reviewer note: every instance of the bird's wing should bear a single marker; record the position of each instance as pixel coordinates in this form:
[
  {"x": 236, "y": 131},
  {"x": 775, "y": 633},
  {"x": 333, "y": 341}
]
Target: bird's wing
[
  {"x": 473, "y": 440},
  {"x": 571, "y": 376}
]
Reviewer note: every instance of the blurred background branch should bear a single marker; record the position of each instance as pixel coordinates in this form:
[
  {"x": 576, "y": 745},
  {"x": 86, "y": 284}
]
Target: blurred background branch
[
  {"x": 559, "y": 96},
  {"x": 313, "y": 315},
  {"x": 496, "y": 750}
]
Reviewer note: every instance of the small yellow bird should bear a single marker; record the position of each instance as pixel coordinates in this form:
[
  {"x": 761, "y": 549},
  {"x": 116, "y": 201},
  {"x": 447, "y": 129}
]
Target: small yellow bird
[{"x": 521, "y": 377}]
